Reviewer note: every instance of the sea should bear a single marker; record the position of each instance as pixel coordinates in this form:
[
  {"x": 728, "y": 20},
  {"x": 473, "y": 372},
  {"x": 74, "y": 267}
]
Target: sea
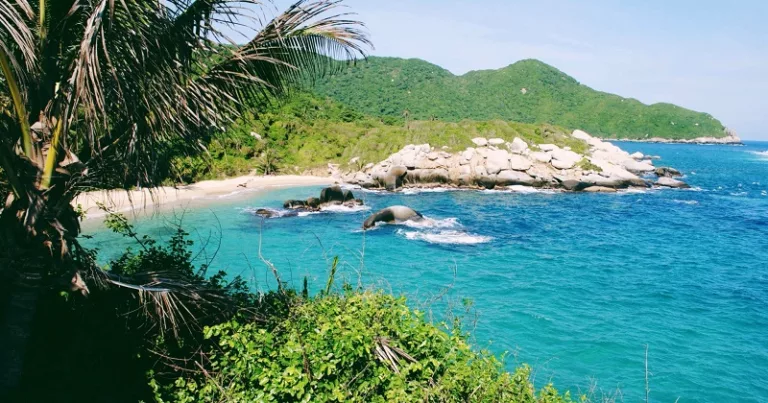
[{"x": 658, "y": 291}]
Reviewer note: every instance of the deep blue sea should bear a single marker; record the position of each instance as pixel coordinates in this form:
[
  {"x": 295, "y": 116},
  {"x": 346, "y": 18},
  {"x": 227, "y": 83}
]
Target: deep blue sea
[{"x": 577, "y": 285}]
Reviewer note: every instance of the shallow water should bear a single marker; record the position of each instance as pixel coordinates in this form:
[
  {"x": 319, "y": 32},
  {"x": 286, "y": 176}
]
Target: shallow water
[{"x": 574, "y": 284}]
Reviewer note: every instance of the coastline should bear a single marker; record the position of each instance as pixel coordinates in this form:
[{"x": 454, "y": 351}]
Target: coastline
[
  {"x": 727, "y": 140},
  {"x": 147, "y": 200}
]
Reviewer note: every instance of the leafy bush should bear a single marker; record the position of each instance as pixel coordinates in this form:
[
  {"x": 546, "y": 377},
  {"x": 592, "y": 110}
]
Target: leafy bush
[{"x": 352, "y": 347}]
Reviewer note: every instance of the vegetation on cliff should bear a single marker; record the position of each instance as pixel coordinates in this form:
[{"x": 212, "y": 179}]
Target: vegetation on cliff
[
  {"x": 528, "y": 91},
  {"x": 303, "y": 131}
]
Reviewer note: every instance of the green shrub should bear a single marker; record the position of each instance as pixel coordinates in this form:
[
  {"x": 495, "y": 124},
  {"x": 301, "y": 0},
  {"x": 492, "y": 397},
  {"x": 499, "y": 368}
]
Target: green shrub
[{"x": 353, "y": 347}]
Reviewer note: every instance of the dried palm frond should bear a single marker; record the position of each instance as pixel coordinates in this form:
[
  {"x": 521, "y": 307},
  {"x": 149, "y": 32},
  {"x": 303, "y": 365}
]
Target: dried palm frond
[{"x": 389, "y": 354}]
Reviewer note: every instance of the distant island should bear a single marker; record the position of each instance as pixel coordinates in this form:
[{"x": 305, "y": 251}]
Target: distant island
[{"x": 528, "y": 91}]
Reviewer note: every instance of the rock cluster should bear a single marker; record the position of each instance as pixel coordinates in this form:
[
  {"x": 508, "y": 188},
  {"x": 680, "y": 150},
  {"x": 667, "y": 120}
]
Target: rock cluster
[
  {"x": 496, "y": 162},
  {"x": 329, "y": 196}
]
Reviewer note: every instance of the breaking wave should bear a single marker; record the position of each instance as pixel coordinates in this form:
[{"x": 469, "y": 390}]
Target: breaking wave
[{"x": 449, "y": 237}]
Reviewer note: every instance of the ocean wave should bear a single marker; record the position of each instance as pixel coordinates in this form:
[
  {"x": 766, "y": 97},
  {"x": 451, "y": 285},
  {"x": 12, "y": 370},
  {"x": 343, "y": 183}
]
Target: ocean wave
[
  {"x": 761, "y": 153},
  {"x": 689, "y": 202},
  {"x": 522, "y": 189},
  {"x": 345, "y": 209},
  {"x": 428, "y": 222},
  {"x": 278, "y": 213},
  {"x": 738, "y": 194},
  {"x": 413, "y": 191},
  {"x": 450, "y": 237},
  {"x": 238, "y": 192},
  {"x": 272, "y": 212}
]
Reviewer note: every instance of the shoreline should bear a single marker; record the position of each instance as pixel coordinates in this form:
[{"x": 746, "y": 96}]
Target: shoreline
[
  {"x": 725, "y": 141},
  {"x": 147, "y": 201}
]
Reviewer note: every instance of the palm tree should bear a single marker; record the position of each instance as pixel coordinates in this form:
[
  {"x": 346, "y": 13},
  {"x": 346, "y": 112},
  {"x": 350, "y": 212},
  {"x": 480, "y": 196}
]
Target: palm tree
[{"x": 93, "y": 92}]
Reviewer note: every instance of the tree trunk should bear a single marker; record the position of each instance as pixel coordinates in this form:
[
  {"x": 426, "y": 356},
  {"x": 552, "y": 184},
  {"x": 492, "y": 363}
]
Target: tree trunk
[{"x": 24, "y": 285}]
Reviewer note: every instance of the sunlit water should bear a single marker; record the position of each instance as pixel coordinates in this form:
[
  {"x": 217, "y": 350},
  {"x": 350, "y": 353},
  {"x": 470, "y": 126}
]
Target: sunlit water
[{"x": 574, "y": 284}]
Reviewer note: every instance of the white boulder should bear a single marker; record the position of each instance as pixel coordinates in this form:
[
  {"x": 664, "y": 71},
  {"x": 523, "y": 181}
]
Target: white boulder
[
  {"x": 519, "y": 163},
  {"x": 480, "y": 141}
]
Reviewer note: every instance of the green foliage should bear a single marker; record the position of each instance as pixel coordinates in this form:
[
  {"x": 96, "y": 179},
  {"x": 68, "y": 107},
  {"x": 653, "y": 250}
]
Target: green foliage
[
  {"x": 353, "y": 347},
  {"x": 303, "y": 131},
  {"x": 528, "y": 91},
  {"x": 587, "y": 165}
]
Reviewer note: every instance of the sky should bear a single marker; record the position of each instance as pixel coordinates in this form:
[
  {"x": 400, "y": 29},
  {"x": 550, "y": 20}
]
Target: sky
[{"x": 709, "y": 56}]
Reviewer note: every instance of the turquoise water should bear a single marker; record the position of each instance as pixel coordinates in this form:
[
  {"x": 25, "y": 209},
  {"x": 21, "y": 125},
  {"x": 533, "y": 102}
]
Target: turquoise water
[{"x": 574, "y": 284}]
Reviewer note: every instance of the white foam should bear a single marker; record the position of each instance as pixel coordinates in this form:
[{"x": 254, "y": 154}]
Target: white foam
[
  {"x": 761, "y": 153},
  {"x": 345, "y": 209},
  {"x": 689, "y": 202},
  {"x": 275, "y": 213},
  {"x": 738, "y": 193},
  {"x": 450, "y": 237},
  {"x": 237, "y": 192},
  {"x": 413, "y": 191},
  {"x": 428, "y": 222}
]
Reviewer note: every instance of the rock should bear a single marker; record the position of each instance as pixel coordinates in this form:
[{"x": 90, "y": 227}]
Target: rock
[
  {"x": 517, "y": 146},
  {"x": 581, "y": 135},
  {"x": 507, "y": 178},
  {"x": 255, "y": 135},
  {"x": 292, "y": 204},
  {"x": 671, "y": 183},
  {"x": 541, "y": 157},
  {"x": 354, "y": 160},
  {"x": 573, "y": 184},
  {"x": 638, "y": 155},
  {"x": 637, "y": 166},
  {"x": 667, "y": 172},
  {"x": 313, "y": 202},
  {"x": 599, "y": 180},
  {"x": 395, "y": 176},
  {"x": 496, "y": 161},
  {"x": 488, "y": 182},
  {"x": 392, "y": 214},
  {"x": 335, "y": 195},
  {"x": 368, "y": 166},
  {"x": 480, "y": 141},
  {"x": 548, "y": 147},
  {"x": 496, "y": 141},
  {"x": 567, "y": 148},
  {"x": 519, "y": 163},
  {"x": 542, "y": 174},
  {"x": 564, "y": 159},
  {"x": 599, "y": 189},
  {"x": 433, "y": 156}
]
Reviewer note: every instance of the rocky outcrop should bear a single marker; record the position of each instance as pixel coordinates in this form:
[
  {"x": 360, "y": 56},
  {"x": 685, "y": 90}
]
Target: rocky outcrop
[
  {"x": 671, "y": 183},
  {"x": 330, "y": 196},
  {"x": 667, "y": 171},
  {"x": 496, "y": 163},
  {"x": 392, "y": 214}
]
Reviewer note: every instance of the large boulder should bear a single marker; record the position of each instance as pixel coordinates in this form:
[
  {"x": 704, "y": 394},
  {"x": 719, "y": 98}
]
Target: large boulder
[
  {"x": 671, "y": 183},
  {"x": 334, "y": 195},
  {"x": 573, "y": 184},
  {"x": 496, "y": 141},
  {"x": 392, "y": 214},
  {"x": 637, "y": 166},
  {"x": 667, "y": 172},
  {"x": 518, "y": 146},
  {"x": 507, "y": 178},
  {"x": 541, "y": 157},
  {"x": 496, "y": 161},
  {"x": 519, "y": 163},
  {"x": 394, "y": 177},
  {"x": 480, "y": 141},
  {"x": 565, "y": 159}
]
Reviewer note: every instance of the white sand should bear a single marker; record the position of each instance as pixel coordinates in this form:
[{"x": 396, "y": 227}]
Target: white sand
[{"x": 148, "y": 201}]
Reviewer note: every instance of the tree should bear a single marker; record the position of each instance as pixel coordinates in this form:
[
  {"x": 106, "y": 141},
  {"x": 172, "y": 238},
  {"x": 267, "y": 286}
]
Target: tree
[{"x": 94, "y": 91}]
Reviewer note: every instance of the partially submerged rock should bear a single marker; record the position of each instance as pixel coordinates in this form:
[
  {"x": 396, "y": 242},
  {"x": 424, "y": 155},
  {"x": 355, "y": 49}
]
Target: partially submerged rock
[
  {"x": 667, "y": 172},
  {"x": 330, "y": 196},
  {"x": 391, "y": 215},
  {"x": 671, "y": 183}
]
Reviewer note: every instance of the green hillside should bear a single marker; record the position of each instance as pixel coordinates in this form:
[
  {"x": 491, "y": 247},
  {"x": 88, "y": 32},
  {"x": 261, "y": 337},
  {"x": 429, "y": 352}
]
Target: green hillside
[{"x": 528, "y": 91}]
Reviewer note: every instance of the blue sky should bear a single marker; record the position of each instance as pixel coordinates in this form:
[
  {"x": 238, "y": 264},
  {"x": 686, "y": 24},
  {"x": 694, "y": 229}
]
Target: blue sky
[{"x": 710, "y": 56}]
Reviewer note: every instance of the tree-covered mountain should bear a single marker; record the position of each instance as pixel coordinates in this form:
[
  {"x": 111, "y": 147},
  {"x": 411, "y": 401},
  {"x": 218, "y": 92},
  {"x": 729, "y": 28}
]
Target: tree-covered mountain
[{"x": 528, "y": 91}]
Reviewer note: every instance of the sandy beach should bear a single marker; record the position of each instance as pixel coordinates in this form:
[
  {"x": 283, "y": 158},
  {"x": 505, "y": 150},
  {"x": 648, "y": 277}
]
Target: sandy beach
[{"x": 149, "y": 201}]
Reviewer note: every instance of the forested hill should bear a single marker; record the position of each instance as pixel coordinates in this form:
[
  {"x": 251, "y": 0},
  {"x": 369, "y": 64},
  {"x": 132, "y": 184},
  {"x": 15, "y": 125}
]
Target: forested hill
[{"x": 528, "y": 91}]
